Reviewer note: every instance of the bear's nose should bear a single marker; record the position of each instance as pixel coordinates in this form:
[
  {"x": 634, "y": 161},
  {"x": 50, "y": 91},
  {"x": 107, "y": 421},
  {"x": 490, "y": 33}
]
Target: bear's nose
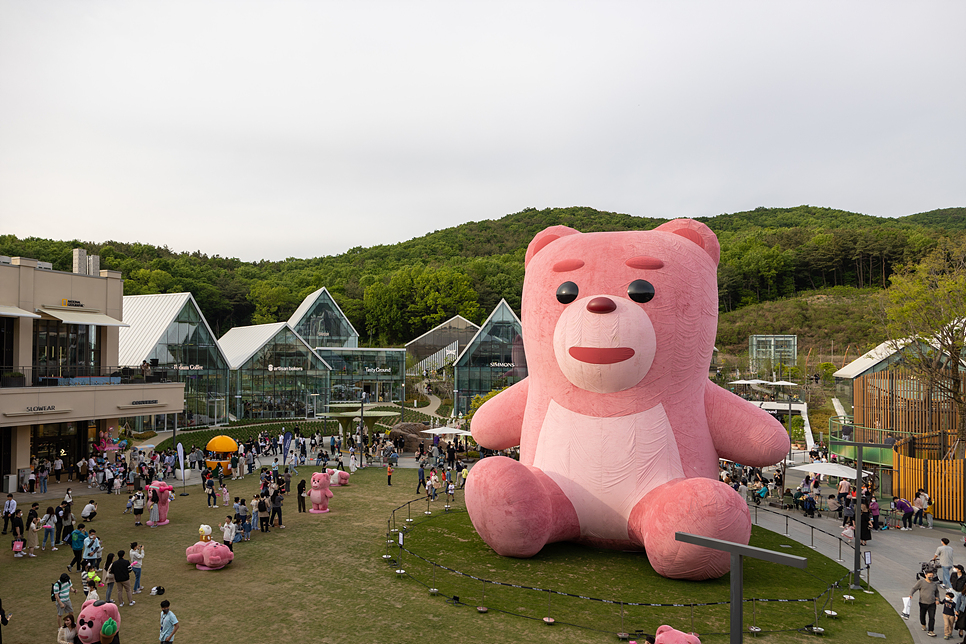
[{"x": 601, "y": 305}]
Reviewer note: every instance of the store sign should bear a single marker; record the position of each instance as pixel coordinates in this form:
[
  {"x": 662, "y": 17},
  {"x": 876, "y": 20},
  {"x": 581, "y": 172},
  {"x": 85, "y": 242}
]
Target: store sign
[
  {"x": 378, "y": 370},
  {"x": 74, "y": 303},
  {"x": 41, "y": 408},
  {"x": 188, "y": 367},
  {"x": 273, "y": 368},
  {"x": 144, "y": 402},
  {"x": 503, "y": 365}
]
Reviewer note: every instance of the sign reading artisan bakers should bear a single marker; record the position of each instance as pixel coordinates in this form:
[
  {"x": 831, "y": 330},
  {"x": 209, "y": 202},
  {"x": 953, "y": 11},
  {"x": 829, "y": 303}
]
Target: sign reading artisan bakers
[
  {"x": 274, "y": 368},
  {"x": 69, "y": 302}
]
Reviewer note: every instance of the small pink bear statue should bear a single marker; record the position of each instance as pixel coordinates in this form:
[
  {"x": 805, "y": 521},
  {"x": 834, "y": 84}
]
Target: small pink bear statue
[
  {"x": 619, "y": 427},
  {"x": 337, "y": 477},
  {"x": 91, "y": 620},
  {"x": 667, "y": 635},
  {"x": 320, "y": 493}
]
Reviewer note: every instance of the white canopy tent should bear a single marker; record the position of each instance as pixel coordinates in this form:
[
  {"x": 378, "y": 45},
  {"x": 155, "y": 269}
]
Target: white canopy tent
[{"x": 829, "y": 469}]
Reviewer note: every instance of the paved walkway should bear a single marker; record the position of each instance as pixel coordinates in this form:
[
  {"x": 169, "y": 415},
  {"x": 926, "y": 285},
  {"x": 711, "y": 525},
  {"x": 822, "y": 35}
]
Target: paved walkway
[{"x": 895, "y": 555}]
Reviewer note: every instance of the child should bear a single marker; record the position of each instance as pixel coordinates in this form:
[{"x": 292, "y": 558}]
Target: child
[
  {"x": 389, "y": 472},
  {"x": 247, "y": 527},
  {"x": 224, "y": 494},
  {"x": 949, "y": 615},
  {"x": 235, "y": 505},
  {"x": 93, "y": 596},
  {"x": 130, "y": 505},
  {"x": 117, "y": 485},
  {"x": 450, "y": 492}
]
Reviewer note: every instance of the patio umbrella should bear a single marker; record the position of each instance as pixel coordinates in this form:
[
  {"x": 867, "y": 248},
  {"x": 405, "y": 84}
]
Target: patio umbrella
[
  {"x": 781, "y": 383},
  {"x": 829, "y": 469},
  {"x": 145, "y": 447},
  {"x": 740, "y": 382},
  {"x": 439, "y": 430}
]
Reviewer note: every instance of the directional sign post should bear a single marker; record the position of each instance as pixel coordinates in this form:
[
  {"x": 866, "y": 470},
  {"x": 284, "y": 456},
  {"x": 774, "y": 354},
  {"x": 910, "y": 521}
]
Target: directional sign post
[{"x": 738, "y": 552}]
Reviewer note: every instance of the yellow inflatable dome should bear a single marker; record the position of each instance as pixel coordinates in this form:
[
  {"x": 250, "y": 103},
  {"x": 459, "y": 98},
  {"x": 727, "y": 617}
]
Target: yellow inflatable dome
[{"x": 222, "y": 444}]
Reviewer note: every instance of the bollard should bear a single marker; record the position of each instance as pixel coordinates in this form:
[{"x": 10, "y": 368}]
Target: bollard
[
  {"x": 786, "y": 525},
  {"x": 840, "y": 551},
  {"x": 812, "y": 544},
  {"x": 548, "y": 620},
  {"x": 409, "y": 512}
]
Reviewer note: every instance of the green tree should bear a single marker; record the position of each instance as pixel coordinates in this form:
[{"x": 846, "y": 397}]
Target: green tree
[
  {"x": 925, "y": 315},
  {"x": 272, "y": 303}
]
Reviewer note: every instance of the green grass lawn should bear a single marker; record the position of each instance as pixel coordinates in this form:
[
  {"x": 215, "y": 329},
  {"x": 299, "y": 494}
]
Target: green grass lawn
[{"x": 323, "y": 579}]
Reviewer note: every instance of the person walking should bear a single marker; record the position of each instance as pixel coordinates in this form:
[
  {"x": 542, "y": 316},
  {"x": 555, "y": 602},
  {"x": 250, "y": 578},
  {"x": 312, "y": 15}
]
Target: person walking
[
  {"x": 9, "y": 508},
  {"x": 928, "y": 588},
  {"x": 421, "y": 481},
  {"x": 77, "y": 538},
  {"x": 944, "y": 557},
  {"x": 62, "y": 590},
  {"x": 300, "y": 491},
  {"x": 169, "y": 623},
  {"x": 122, "y": 578},
  {"x": 389, "y": 473},
  {"x": 137, "y": 559},
  {"x": 277, "y": 499}
]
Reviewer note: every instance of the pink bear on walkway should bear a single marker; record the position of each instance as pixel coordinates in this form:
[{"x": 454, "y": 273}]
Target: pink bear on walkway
[
  {"x": 320, "y": 493},
  {"x": 620, "y": 429}
]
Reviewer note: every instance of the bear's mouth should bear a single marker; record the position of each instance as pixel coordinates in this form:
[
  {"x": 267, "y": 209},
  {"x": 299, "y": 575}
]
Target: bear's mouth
[{"x": 601, "y": 355}]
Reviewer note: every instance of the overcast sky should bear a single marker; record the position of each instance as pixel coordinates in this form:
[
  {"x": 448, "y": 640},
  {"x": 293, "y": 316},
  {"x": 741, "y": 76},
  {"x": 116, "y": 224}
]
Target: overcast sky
[{"x": 265, "y": 130}]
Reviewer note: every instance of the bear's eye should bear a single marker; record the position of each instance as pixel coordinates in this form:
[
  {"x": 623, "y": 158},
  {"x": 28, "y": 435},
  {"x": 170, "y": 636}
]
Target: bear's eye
[
  {"x": 640, "y": 291},
  {"x": 567, "y": 292}
]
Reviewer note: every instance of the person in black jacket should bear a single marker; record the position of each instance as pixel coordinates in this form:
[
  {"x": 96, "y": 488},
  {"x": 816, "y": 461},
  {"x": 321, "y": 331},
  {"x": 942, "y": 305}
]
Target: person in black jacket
[
  {"x": 121, "y": 569},
  {"x": 301, "y": 494}
]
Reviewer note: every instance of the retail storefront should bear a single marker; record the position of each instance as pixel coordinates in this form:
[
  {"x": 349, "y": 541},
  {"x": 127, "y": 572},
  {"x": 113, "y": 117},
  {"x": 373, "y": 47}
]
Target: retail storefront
[
  {"x": 493, "y": 359},
  {"x": 274, "y": 373},
  {"x": 376, "y": 373}
]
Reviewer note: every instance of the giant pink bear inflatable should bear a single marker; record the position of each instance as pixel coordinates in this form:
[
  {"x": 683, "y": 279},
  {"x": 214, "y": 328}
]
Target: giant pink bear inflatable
[
  {"x": 619, "y": 428},
  {"x": 164, "y": 494},
  {"x": 320, "y": 493}
]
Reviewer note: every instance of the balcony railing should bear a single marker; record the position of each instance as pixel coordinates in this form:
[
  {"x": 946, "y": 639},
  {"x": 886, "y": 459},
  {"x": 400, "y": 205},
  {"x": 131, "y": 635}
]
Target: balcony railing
[{"x": 77, "y": 376}]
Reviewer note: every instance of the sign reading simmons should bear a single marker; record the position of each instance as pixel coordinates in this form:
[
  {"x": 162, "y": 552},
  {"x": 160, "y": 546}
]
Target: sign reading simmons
[
  {"x": 503, "y": 365},
  {"x": 274, "y": 368}
]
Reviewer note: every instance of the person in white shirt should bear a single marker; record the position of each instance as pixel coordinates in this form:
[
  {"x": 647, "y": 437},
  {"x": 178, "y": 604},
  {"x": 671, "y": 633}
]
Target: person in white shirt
[
  {"x": 228, "y": 532},
  {"x": 89, "y": 511}
]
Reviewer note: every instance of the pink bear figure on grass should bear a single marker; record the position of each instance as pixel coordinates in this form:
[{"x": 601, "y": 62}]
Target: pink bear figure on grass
[
  {"x": 337, "y": 477},
  {"x": 320, "y": 493},
  {"x": 620, "y": 429},
  {"x": 93, "y": 616},
  {"x": 667, "y": 635},
  {"x": 165, "y": 494},
  {"x": 207, "y": 554}
]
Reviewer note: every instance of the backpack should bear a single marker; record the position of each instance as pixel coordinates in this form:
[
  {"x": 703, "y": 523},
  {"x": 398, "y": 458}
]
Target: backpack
[
  {"x": 54, "y": 589},
  {"x": 261, "y": 506}
]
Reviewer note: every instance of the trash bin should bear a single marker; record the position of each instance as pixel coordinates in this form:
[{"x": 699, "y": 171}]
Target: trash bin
[{"x": 10, "y": 483}]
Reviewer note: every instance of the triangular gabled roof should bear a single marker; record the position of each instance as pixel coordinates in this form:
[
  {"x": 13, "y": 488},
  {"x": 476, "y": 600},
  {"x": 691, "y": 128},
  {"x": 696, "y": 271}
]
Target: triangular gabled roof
[
  {"x": 441, "y": 325},
  {"x": 242, "y": 342},
  {"x": 486, "y": 323},
  {"x": 309, "y": 302},
  {"x": 869, "y": 360},
  {"x": 148, "y": 317}
]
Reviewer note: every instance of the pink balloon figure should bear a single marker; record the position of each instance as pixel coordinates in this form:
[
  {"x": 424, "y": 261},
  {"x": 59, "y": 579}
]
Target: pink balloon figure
[
  {"x": 620, "y": 429},
  {"x": 165, "y": 496},
  {"x": 207, "y": 554},
  {"x": 337, "y": 477},
  {"x": 320, "y": 493}
]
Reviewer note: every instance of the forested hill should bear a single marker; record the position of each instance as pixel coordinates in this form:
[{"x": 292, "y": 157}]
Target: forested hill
[{"x": 395, "y": 292}]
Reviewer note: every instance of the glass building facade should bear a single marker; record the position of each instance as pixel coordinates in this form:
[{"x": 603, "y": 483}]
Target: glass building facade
[
  {"x": 283, "y": 378},
  {"x": 493, "y": 359},
  {"x": 378, "y": 373},
  {"x": 187, "y": 352},
  {"x": 321, "y": 322}
]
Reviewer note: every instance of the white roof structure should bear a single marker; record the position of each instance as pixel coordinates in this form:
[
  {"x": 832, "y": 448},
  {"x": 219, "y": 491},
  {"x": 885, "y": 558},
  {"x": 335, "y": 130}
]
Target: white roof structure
[
  {"x": 868, "y": 360},
  {"x": 148, "y": 317},
  {"x": 442, "y": 324},
  {"x": 309, "y": 302},
  {"x": 242, "y": 342}
]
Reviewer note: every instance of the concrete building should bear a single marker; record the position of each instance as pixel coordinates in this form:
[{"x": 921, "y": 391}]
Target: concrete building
[{"x": 63, "y": 389}]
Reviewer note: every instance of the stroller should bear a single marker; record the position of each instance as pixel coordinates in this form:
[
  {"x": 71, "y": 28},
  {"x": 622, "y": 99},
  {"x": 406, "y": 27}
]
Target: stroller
[
  {"x": 810, "y": 507},
  {"x": 927, "y": 566}
]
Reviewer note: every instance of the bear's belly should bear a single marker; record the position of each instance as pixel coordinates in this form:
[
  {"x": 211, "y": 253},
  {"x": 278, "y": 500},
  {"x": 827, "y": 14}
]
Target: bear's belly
[{"x": 606, "y": 465}]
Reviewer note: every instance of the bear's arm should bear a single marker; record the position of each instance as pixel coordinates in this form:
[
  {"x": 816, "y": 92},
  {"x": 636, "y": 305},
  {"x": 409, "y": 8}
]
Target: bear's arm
[
  {"x": 498, "y": 424},
  {"x": 742, "y": 432}
]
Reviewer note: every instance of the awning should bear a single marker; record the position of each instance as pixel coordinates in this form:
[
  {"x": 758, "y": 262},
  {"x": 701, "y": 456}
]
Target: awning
[
  {"x": 8, "y": 311},
  {"x": 80, "y": 316}
]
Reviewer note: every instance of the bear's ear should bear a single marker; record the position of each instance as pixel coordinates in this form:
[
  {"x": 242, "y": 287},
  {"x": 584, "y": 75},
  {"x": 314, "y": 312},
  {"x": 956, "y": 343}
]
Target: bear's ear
[
  {"x": 546, "y": 236},
  {"x": 696, "y": 232}
]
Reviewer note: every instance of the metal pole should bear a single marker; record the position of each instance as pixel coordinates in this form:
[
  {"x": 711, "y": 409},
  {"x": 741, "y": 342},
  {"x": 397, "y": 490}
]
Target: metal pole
[
  {"x": 857, "y": 520},
  {"x": 737, "y": 627}
]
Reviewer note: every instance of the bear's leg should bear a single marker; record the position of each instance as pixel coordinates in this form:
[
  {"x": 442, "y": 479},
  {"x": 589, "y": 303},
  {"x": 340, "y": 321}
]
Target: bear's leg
[
  {"x": 700, "y": 506},
  {"x": 517, "y": 509}
]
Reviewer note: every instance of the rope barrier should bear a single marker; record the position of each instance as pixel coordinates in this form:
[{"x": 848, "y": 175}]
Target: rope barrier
[{"x": 825, "y": 596}]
